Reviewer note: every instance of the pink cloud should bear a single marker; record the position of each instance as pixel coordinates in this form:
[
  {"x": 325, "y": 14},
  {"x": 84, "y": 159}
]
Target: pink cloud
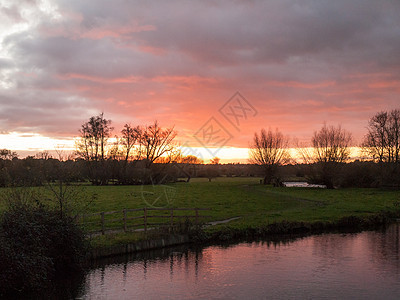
[{"x": 179, "y": 62}]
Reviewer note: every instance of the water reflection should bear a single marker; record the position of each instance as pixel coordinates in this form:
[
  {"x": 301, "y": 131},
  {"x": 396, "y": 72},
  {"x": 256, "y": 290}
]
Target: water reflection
[
  {"x": 385, "y": 248},
  {"x": 364, "y": 265}
]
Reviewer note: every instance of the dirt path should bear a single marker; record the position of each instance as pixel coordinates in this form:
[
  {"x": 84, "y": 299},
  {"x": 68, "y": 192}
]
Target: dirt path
[
  {"x": 223, "y": 221},
  {"x": 152, "y": 228}
]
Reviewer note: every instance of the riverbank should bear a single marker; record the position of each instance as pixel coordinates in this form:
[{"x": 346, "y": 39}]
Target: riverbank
[
  {"x": 284, "y": 228},
  {"x": 138, "y": 246},
  {"x": 254, "y": 210},
  {"x": 226, "y": 233}
]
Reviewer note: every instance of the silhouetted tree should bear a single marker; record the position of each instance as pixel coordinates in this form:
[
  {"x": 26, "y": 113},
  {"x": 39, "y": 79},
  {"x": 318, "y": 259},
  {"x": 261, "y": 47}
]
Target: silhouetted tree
[
  {"x": 330, "y": 149},
  {"x": 94, "y": 136},
  {"x": 331, "y": 144},
  {"x": 215, "y": 161},
  {"x": 45, "y": 155},
  {"x": 185, "y": 166},
  {"x": 382, "y": 142},
  {"x": 130, "y": 137},
  {"x": 382, "y": 145},
  {"x": 270, "y": 150},
  {"x": 6, "y": 166},
  {"x": 190, "y": 159},
  {"x": 155, "y": 142},
  {"x": 92, "y": 147},
  {"x": 8, "y": 154}
]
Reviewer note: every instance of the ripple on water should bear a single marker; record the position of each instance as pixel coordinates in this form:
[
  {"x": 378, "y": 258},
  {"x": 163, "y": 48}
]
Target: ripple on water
[{"x": 364, "y": 265}]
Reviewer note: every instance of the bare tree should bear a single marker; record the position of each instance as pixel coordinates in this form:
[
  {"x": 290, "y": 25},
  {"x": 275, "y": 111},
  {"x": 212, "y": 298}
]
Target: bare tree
[
  {"x": 155, "y": 142},
  {"x": 382, "y": 145},
  {"x": 92, "y": 147},
  {"x": 63, "y": 155},
  {"x": 45, "y": 155},
  {"x": 269, "y": 149},
  {"x": 130, "y": 137},
  {"x": 331, "y": 144},
  {"x": 394, "y": 136},
  {"x": 330, "y": 148},
  {"x": 382, "y": 142},
  {"x": 94, "y": 136}
]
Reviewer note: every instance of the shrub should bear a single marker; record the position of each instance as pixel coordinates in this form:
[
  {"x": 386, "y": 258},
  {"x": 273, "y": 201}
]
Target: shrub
[
  {"x": 37, "y": 247},
  {"x": 359, "y": 174}
]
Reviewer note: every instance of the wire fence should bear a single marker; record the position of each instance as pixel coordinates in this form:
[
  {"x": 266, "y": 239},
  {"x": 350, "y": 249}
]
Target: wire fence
[{"x": 141, "y": 219}]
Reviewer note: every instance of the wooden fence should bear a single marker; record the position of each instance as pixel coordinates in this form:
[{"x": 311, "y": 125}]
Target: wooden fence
[{"x": 102, "y": 222}]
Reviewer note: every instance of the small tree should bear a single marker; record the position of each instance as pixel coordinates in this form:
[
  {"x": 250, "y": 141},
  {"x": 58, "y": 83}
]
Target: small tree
[
  {"x": 331, "y": 148},
  {"x": 331, "y": 144},
  {"x": 191, "y": 159},
  {"x": 382, "y": 145},
  {"x": 94, "y": 136},
  {"x": 92, "y": 147},
  {"x": 382, "y": 142},
  {"x": 8, "y": 154},
  {"x": 212, "y": 169},
  {"x": 155, "y": 142},
  {"x": 270, "y": 150},
  {"x": 215, "y": 161},
  {"x": 130, "y": 137},
  {"x": 186, "y": 165}
]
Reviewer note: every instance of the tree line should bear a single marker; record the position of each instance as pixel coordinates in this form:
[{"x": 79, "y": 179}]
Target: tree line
[
  {"x": 150, "y": 155},
  {"x": 140, "y": 155},
  {"x": 136, "y": 150},
  {"x": 324, "y": 161}
]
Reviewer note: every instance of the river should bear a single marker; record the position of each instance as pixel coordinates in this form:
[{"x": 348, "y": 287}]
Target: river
[{"x": 364, "y": 265}]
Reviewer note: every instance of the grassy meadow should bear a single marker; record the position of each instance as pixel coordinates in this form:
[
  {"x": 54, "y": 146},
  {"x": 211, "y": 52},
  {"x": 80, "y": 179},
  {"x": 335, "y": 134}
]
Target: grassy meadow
[
  {"x": 247, "y": 198},
  {"x": 254, "y": 203}
]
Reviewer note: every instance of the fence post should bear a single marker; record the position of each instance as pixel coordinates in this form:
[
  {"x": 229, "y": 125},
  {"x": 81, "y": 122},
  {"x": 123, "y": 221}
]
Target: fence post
[
  {"x": 197, "y": 216},
  {"x": 124, "y": 211},
  {"x": 172, "y": 217},
  {"x": 145, "y": 219},
  {"x": 102, "y": 223},
  {"x": 81, "y": 220}
]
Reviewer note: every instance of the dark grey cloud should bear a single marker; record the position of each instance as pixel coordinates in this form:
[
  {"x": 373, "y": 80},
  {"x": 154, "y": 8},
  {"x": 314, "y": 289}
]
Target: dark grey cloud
[
  {"x": 51, "y": 113},
  {"x": 336, "y": 58}
]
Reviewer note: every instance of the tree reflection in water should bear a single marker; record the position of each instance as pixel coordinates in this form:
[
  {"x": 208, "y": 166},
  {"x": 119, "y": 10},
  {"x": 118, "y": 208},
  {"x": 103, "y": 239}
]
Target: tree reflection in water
[{"x": 328, "y": 265}]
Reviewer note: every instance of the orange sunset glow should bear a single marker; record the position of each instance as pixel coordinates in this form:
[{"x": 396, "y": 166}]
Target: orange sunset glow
[{"x": 228, "y": 67}]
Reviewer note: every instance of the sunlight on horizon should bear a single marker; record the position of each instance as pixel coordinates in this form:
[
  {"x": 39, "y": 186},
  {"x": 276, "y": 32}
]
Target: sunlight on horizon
[{"x": 31, "y": 143}]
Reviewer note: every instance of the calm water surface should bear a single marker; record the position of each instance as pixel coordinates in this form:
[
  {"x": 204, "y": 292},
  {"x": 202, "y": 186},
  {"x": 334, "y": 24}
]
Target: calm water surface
[{"x": 331, "y": 266}]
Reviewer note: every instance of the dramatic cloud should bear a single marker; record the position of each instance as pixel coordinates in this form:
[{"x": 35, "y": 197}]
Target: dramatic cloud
[{"x": 298, "y": 64}]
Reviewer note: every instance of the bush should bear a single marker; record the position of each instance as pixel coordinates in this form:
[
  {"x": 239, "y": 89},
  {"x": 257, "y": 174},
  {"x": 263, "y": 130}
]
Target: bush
[
  {"x": 370, "y": 174},
  {"x": 359, "y": 174},
  {"x": 37, "y": 247}
]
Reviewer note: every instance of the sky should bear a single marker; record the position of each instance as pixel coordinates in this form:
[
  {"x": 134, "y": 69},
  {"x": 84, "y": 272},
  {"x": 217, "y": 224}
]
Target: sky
[{"x": 218, "y": 71}]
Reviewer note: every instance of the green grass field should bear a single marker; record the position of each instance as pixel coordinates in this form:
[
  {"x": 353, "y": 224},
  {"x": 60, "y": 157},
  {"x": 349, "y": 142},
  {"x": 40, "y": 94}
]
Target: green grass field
[
  {"x": 245, "y": 197},
  {"x": 256, "y": 204}
]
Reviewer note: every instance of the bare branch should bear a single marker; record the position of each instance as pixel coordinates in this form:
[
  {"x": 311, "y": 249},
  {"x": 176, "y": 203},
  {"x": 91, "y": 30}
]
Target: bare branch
[{"x": 270, "y": 150}]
